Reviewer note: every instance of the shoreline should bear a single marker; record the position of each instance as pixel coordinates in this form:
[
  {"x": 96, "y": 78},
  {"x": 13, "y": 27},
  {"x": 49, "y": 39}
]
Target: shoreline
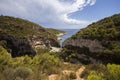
[
  {"x": 57, "y": 49},
  {"x": 60, "y": 35}
]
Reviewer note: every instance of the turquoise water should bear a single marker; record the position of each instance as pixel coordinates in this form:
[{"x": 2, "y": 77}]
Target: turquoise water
[{"x": 69, "y": 33}]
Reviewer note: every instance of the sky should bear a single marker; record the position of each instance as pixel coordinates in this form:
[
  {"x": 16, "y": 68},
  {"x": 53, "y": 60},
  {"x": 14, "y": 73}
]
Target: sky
[{"x": 60, "y": 14}]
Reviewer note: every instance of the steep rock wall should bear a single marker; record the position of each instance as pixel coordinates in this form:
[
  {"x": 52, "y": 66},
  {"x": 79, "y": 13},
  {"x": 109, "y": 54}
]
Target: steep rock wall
[{"x": 25, "y": 46}]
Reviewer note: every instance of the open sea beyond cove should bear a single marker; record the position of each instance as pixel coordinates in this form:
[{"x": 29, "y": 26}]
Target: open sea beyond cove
[{"x": 69, "y": 33}]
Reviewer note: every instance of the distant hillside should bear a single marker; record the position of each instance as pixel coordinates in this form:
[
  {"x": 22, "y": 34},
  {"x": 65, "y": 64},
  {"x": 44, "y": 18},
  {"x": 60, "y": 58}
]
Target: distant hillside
[
  {"x": 22, "y": 37},
  {"x": 54, "y": 31},
  {"x": 98, "y": 42},
  {"x": 21, "y": 27}
]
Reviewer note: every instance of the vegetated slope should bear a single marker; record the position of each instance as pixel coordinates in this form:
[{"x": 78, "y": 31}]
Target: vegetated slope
[
  {"x": 21, "y": 27},
  {"x": 54, "y": 31},
  {"x": 40, "y": 67},
  {"x": 22, "y": 37},
  {"x": 99, "y": 42}
]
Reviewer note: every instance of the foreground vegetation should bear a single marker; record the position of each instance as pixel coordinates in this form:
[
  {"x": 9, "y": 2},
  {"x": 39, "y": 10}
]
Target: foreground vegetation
[
  {"x": 44, "y": 64},
  {"x": 38, "y": 67},
  {"x": 102, "y": 72}
]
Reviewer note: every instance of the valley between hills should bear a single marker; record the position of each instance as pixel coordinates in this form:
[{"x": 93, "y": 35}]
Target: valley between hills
[{"x": 29, "y": 51}]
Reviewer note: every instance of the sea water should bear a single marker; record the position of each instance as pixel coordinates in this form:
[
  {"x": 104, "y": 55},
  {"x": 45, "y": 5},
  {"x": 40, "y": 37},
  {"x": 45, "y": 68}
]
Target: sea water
[{"x": 69, "y": 33}]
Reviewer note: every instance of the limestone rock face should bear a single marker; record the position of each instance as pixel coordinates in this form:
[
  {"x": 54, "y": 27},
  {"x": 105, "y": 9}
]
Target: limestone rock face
[
  {"x": 93, "y": 45},
  {"x": 21, "y": 46},
  {"x": 83, "y": 50},
  {"x": 42, "y": 42},
  {"x": 17, "y": 46}
]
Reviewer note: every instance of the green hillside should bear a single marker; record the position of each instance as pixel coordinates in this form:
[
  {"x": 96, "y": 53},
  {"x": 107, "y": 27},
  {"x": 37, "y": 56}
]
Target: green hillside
[
  {"x": 107, "y": 28},
  {"x": 107, "y": 31},
  {"x": 99, "y": 40},
  {"x": 22, "y": 28}
]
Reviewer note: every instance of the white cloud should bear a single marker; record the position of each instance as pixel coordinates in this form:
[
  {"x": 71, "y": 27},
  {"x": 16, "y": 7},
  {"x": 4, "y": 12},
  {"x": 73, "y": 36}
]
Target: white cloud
[{"x": 52, "y": 12}]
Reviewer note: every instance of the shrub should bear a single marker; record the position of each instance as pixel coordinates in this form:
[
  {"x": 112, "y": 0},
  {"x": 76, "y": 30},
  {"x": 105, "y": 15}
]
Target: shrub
[
  {"x": 23, "y": 72},
  {"x": 16, "y": 62},
  {"x": 4, "y": 58},
  {"x": 107, "y": 51},
  {"x": 95, "y": 76},
  {"x": 4, "y": 54},
  {"x": 9, "y": 74},
  {"x": 41, "y": 51},
  {"x": 46, "y": 60},
  {"x": 114, "y": 71},
  {"x": 27, "y": 60},
  {"x": 73, "y": 75}
]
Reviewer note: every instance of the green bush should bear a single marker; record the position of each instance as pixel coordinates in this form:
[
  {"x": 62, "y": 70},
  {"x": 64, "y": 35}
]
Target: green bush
[
  {"x": 114, "y": 71},
  {"x": 4, "y": 58},
  {"x": 110, "y": 72},
  {"x": 107, "y": 51},
  {"x": 4, "y": 54},
  {"x": 9, "y": 74},
  {"x": 27, "y": 60},
  {"x": 45, "y": 60},
  {"x": 23, "y": 72},
  {"x": 73, "y": 75},
  {"x": 95, "y": 76}
]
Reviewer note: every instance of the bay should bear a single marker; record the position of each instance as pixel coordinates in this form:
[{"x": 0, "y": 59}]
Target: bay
[{"x": 69, "y": 33}]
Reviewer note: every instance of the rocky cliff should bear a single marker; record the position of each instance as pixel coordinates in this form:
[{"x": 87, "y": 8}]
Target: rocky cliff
[
  {"x": 21, "y": 37},
  {"x": 93, "y": 45},
  {"x": 98, "y": 42}
]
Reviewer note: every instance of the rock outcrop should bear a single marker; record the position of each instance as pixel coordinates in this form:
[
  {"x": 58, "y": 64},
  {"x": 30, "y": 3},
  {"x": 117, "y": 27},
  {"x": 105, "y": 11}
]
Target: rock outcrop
[
  {"x": 93, "y": 45},
  {"x": 16, "y": 46},
  {"x": 22, "y": 46}
]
